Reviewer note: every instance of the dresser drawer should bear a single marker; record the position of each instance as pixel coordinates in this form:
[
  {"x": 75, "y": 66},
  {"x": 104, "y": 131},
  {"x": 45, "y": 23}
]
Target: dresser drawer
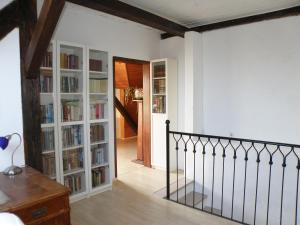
[{"x": 43, "y": 211}]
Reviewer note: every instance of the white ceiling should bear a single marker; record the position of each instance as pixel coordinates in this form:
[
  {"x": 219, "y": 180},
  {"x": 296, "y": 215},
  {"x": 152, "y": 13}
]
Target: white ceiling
[{"x": 198, "y": 12}]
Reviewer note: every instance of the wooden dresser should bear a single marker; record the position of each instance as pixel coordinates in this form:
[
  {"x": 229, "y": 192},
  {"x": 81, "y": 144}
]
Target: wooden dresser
[{"x": 36, "y": 199}]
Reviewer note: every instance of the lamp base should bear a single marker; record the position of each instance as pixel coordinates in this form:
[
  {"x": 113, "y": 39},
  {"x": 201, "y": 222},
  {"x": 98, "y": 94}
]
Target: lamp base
[{"x": 12, "y": 171}]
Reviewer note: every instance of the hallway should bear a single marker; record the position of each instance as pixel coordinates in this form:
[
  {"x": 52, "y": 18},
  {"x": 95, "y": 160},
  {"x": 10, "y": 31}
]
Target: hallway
[{"x": 126, "y": 150}]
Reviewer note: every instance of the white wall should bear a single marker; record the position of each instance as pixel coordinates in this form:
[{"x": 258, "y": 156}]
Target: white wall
[
  {"x": 251, "y": 90},
  {"x": 252, "y": 80},
  {"x": 117, "y": 36},
  {"x": 10, "y": 97}
]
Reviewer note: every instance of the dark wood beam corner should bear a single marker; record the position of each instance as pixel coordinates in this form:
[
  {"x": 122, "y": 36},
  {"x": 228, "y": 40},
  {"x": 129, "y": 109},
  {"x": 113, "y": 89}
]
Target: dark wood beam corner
[
  {"x": 42, "y": 35},
  {"x": 126, "y": 11},
  {"x": 9, "y": 18},
  {"x": 167, "y": 35},
  {"x": 294, "y": 11}
]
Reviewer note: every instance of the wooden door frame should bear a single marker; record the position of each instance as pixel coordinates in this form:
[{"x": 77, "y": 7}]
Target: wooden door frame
[{"x": 146, "y": 110}]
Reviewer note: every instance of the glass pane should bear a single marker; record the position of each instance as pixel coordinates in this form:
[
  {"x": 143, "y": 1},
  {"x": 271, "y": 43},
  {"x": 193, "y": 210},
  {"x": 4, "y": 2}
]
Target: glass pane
[
  {"x": 47, "y": 110},
  {"x": 71, "y": 57},
  {"x": 71, "y": 82},
  {"x": 97, "y": 61},
  {"x": 99, "y": 176},
  {"x": 48, "y": 139},
  {"x": 158, "y": 104},
  {"x": 76, "y": 183},
  {"x": 72, "y": 160},
  {"x": 98, "y": 107},
  {"x": 99, "y": 154},
  {"x": 72, "y": 136},
  {"x": 71, "y": 108},
  {"x": 49, "y": 168},
  {"x": 159, "y": 69},
  {"x": 159, "y": 86},
  {"x": 97, "y": 132}
]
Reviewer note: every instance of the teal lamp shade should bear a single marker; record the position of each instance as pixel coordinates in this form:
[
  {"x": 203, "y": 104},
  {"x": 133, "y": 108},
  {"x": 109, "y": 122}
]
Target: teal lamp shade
[{"x": 4, "y": 142}]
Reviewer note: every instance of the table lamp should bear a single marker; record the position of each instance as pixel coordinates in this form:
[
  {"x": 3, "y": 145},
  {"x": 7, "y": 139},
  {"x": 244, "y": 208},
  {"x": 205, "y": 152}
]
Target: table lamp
[{"x": 4, "y": 142}]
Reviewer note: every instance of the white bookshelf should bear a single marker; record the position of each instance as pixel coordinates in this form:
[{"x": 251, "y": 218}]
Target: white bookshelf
[
  {"x": 163, "y": 74},
  {"x": 73, "y": 70}
]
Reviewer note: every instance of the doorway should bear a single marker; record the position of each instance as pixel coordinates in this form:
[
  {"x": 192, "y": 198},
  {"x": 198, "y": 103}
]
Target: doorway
[{"x": 131, "y": 114}]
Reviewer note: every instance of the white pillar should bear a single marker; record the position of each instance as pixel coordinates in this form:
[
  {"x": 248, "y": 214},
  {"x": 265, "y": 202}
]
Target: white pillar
[{"x": 193, "y": 82}]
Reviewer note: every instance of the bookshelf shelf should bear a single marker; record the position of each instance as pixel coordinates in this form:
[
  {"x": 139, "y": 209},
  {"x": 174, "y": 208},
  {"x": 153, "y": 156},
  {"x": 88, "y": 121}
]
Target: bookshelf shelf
[
  {"x": 100, "y": 165},
  {"x": 159, "y": 94},
  {"x": 71, "y": 70},
  {"x": 72, "y": 123},
  {"x": 159, "y": 78},
  {"x": 98, "y": 72},
  {"x": 76, "y": 118},
  {"x": 75, "y": 171},
  {"x": 46, "y": 68},
  {"x": 72, "y": 147},
  {"x": 46, "y": 93},
  {"x": 48, "y": 152},
  {"x": 99, "y": 143},
  {"x": 99, "y": 121},
  {"x": 70, "y": 93},
  {"x": 47, "y": 125}
]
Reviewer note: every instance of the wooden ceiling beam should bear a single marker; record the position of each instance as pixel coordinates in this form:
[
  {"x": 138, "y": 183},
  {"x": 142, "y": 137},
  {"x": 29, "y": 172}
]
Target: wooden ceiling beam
[
  {"x": 9, "y": 18},
  {"x": 294, "y": 11},
  {"x": 42, "y": 35},
  {"x": 126, "y": 11}
]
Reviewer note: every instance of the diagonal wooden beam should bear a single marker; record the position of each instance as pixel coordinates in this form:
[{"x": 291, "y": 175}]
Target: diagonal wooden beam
[
  {"x": 123, "y": 10},
  {"x": 125, "y": 114},
  {"x": 293, "y": 11},
  {"x": 42, "y": 35},
  {"x": 9, "y": 18}
]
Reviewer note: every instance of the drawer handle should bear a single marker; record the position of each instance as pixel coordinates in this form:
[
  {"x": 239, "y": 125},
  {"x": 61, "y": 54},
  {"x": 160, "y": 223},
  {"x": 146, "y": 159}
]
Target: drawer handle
[{"x": 39, "y": 212}]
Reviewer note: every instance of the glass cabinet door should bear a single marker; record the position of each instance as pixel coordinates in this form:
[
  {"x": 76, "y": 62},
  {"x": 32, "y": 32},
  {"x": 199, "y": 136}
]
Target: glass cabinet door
[
  {"x": 159, "y": 87},
  {"x": 72, "y": 100},
  {"x": 98, "y": 117}
]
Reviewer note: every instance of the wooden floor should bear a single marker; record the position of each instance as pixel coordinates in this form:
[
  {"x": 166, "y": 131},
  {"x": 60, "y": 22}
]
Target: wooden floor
[{"x": 132, "y": 202}]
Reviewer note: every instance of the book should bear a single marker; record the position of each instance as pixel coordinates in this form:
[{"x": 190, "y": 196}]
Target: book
[
  {"x": 46, "y": 84},
  {"x": 95, "y": 65},
  {"x": 47, "y": 113},
  {"x": 69, "y": 84},
  {"x": 47, "y": 139},
  {"x": 72, "y": 159},
  {"x": 47, "y": 62},
  {"x": 159, "y": 70},
  {"x": 97, "y": 110},
  {"x": 98, "y": 154},
  {"x": 98, "y": 176},
  {"x": 97, "y": 133},
  {"x": 71, "y": 110},
  {"x": 48, "y": 161},
  {"x": 159, "y": 86},
  {"x": 72, "y": 136},
  {"x": 158, "y": 104},
  {"x": 74, "y": 183},
  {"x": 98, "y": 85},
  {"x": 70, "y": 61}
]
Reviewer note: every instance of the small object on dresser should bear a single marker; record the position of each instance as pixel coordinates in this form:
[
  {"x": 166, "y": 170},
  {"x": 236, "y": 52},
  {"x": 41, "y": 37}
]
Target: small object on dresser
[{"x": 4, "y": 142}]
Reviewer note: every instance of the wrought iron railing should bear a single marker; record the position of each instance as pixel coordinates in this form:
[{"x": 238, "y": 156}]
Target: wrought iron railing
[{"x": 247, "y": 181}]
